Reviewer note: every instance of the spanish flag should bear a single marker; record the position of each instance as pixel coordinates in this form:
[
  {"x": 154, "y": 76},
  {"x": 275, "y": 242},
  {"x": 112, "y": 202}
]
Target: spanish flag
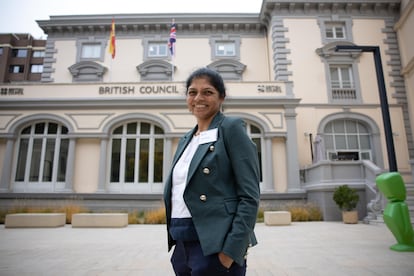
[{"x": 112, "y": 40}]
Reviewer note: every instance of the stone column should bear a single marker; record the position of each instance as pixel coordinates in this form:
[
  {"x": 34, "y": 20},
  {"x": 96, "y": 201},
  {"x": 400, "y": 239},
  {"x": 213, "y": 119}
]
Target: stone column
[
  {"x": 103, "y": 172},
  {"x": 7, "y": 167},
  {"x": 293, "y": 177},
  {"x": 70, "y": 165}
]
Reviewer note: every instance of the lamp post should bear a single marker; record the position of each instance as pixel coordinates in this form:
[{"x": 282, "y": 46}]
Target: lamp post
[{"x": 392, "y": 162}]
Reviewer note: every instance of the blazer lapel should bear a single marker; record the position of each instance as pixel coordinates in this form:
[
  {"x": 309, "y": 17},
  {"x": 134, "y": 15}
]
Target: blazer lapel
[
  {"x": 180, "y": 149},
  {"x": 183, "y": 145},
  {"x": 203, "y": 148}
]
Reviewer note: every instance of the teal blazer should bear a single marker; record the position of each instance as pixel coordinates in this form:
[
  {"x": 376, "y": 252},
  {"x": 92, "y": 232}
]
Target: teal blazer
[{"x": 222, "y": 192}]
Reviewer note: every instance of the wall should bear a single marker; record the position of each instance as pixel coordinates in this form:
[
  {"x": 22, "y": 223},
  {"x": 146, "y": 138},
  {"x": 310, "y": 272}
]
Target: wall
[{"x": 86, "y": 170}]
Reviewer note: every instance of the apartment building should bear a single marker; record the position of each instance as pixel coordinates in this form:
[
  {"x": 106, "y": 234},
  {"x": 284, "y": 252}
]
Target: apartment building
[{"x": 21, "y": 58}]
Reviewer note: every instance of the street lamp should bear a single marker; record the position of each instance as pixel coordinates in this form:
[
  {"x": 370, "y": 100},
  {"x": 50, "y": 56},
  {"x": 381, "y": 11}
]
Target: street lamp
[{"x": 392, "y": 162}]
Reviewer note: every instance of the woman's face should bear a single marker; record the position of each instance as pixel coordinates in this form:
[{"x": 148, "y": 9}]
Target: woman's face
[{"x": 203, "y": 100}]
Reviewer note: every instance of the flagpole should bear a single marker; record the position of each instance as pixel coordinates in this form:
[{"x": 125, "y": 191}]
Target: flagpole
[
  {"x": 172, "y": 68},
  {"x": 110, "y": 68},
  {"x": 171, "y": 45}
]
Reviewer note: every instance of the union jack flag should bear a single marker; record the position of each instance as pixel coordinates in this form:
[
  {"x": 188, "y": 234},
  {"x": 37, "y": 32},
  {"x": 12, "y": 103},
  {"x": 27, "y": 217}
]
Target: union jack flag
[{"x": 173, "y": 37}]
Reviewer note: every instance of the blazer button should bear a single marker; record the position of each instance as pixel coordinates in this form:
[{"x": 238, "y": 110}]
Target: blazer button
[
  {"x": 203, "y": 197},
  {"x": 211, "y": 148},
  {"x": 206, "y": 171}
]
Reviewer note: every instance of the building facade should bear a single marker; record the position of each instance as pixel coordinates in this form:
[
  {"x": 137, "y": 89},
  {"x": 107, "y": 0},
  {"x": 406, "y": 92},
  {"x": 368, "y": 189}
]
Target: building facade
[
  {"x": 105, "y": 129},
  {"x": 21, "y": 58}
]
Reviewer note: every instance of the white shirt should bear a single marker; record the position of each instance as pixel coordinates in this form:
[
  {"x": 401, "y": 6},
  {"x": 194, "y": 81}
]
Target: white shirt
[{"x": 179, "y": 180}]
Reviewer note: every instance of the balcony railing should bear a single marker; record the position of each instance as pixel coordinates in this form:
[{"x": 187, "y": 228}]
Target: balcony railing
[{"x": 344, "y": 94}]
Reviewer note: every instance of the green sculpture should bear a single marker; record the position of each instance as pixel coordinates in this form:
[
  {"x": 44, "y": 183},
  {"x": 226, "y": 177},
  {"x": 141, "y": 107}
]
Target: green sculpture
[{"x": 396, "y": 213}]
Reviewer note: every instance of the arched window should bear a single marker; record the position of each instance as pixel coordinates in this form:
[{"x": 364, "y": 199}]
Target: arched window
[
  {"x": 137, "y": 156},
  {"x": 347, "y": 139},
  {"x": 42, "y": 154},
  {"x": 256, "y": 135}
]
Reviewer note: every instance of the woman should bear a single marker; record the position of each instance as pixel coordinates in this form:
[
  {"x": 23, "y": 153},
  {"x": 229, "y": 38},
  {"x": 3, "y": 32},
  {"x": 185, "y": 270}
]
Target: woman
[{"x": 212, "y": 193}]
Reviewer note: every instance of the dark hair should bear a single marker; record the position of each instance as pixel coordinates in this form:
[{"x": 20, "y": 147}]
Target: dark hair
[{"x": 212, "y": 76}]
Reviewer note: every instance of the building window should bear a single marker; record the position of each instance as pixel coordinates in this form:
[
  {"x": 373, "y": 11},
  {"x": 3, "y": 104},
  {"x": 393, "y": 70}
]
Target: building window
[
  {"x": 91, "y": 51},
  {"x": 19, "y": 53},
  {"x": 225, "y": 46},
  {"x": 36, "y": 68},
  {"x": 16, "y": 69},
  {"x": 256, "y": 136},
  {"x": 157, "y": 49},
  {"x": 342, "y": 83},
  {"x": 342, "y": 77},
  {"x": 334, "y": 28},
  {"x": 137, "y": 156},
  {"x": 335, "y": 31},
  {"x": 1, "y": 51},
  {"x": 347, "y": 139},
  {"x": 38, "y": 54},
  {"x": 42, "y": 153},
  {"x": 225, "y": 49}
]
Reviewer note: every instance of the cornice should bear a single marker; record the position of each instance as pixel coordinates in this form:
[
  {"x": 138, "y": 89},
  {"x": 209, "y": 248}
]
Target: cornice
[
  {"x": 406, "y": 12},
  {"x": 272, "y": 8},
  {"x": 208, "y": 23},
  {"x": 152, "y": 24}
]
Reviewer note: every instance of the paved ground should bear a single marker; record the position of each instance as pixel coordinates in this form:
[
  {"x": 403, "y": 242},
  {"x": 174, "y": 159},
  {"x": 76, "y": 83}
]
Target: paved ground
[{"x": 306, "y": 248}]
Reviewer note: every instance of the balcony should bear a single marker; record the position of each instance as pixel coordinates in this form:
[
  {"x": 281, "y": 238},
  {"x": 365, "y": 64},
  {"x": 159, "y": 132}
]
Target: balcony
[{"x": 344, "y": 94}]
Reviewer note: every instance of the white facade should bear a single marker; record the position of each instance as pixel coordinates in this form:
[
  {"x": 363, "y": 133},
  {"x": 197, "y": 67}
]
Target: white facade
[{"x": 116, "y": 122}]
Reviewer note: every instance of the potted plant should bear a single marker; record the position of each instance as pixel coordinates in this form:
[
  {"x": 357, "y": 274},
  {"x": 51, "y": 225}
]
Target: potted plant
[{"x": 347, "y": 199}]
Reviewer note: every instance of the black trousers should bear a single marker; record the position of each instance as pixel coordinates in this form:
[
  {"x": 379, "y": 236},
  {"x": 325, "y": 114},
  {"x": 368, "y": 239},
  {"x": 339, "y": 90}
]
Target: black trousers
[{"x": 188, "y": 259}]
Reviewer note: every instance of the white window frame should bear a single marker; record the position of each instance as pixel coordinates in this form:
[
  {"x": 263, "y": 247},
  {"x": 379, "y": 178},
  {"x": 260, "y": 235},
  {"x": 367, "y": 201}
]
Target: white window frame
[
  {"x": 261, "y": 151},
  {"x": 225, "y": 49},
  {"x": 160, "y": 50},
  {"x": 227, "y": 41},
  {"x": 335, "y": 29},
  {"x": 341, "y": 83},
  {"x": 96, "y": 51},
  {"x": 332, "y": 153},
  {"x": 40, "y": 185},
  {"x": 343, "y": 89},
  {"x": 91, "y": 51},
  {"x": 136, "y": 186}
]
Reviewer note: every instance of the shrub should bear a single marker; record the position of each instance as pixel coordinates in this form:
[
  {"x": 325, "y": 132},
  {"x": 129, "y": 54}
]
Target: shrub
[
  {"x": 71, "y": 209},
  {"x": 260, "y": 215},
  {"x": 22, "y": 207},
  {"x": 136, "y": 217},
  {"x": 315, "y": 213},
  {"x": 345, "y": 197},
  {"x": 156, "y": 216},
  {"x": 299, "y": 211}
]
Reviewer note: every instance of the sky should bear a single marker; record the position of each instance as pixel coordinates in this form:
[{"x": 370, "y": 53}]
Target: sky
[{"x": 19, "y": 16}]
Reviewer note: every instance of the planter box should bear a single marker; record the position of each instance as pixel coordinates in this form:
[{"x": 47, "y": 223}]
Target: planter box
[
  {"x": 100, "y": 220},
  {"x": 27, "y": 220},
  {"x": 277, "y": 218},
  {"x": 350, "y": 217}
]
